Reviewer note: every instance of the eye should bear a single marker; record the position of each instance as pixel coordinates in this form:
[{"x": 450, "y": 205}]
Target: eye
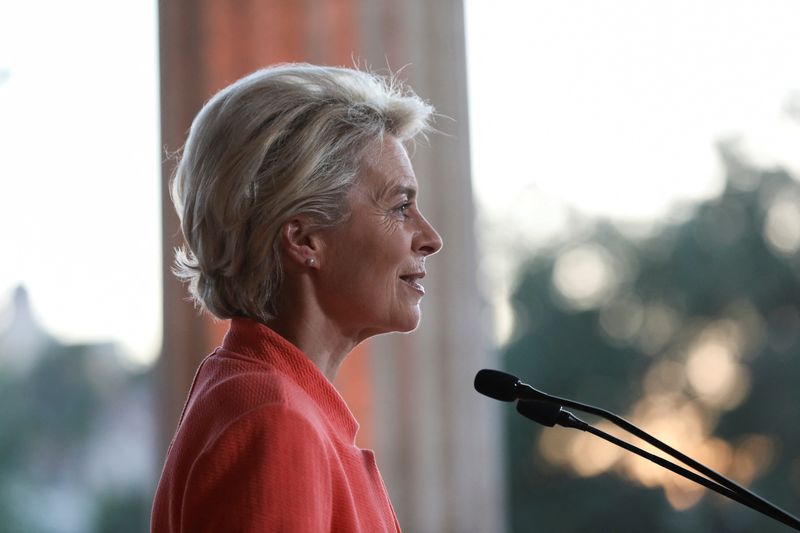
[{"x": 403, "y": 208}]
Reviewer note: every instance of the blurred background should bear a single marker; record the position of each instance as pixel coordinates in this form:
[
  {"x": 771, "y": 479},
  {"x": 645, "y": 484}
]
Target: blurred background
[{"x": 617, "y": 187}]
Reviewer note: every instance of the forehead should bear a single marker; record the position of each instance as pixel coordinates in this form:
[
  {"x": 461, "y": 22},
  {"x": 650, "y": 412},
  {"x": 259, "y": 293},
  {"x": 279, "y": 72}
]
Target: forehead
[{"x": 386, "y": 167}]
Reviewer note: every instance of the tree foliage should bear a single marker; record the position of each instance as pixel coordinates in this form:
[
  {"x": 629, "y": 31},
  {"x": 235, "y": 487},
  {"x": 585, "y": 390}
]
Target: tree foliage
[{"x": 701, "y": 318}]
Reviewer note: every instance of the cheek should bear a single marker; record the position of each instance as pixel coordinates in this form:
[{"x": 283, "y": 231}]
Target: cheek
[
  {"x": 378, "y": 278},
  {"x": 372, "y": 262},
  {"x": 377, "y": 256},
  {"x": 362, "y": 270}
]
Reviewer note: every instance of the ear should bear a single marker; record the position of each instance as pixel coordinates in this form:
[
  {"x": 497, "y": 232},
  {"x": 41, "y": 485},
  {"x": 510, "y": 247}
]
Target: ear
[{"x": 301, "y": 242}]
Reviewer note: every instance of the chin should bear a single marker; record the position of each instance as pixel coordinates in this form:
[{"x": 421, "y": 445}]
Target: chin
[
  {"x": 407, "y": 329},
  {"x": 405, "y": 326},
  {"x": 408, "y": 325},
  {"x": 401, "y": 322}
]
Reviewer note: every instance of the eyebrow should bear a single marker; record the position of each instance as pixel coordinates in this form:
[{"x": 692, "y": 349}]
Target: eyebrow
[{"x": 411, "y": 192}]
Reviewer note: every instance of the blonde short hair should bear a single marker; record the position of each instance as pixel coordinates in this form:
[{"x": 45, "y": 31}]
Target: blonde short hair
[{"x": 281, "y": 142}]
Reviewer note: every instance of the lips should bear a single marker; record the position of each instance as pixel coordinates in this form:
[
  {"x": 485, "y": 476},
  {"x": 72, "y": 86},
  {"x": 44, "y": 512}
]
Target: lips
[{"x": 412, "y": 280}]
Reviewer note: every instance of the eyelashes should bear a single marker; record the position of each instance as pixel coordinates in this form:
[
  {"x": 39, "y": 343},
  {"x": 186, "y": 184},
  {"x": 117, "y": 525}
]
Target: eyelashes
[{"x": 403, "y": 209}]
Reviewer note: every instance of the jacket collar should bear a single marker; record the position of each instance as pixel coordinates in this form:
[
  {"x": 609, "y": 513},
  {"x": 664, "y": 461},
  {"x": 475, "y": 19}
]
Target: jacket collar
[{"x": 257, "y": 341}]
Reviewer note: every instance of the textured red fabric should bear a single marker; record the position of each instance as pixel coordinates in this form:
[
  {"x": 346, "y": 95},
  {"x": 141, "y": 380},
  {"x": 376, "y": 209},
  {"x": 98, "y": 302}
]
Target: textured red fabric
[{"x": 266, "y": 443}]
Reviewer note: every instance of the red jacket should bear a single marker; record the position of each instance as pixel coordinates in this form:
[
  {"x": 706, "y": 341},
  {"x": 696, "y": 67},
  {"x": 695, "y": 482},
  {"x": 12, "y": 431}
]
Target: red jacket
[{"x": 266, "y": 443}]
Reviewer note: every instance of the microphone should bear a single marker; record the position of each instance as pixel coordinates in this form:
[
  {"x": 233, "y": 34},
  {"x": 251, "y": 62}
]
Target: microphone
[
  {"x": 550, "y": 414},
  {"x": 506, "y": 387}
]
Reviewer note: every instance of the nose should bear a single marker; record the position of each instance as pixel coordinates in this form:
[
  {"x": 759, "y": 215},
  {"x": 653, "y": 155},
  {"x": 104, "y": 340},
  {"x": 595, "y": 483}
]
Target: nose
[{"x": 427, "y": 240}]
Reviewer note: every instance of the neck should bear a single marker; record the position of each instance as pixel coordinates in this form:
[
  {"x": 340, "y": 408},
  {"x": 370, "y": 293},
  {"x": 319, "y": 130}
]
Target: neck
[{"x": 317, "y": 337}]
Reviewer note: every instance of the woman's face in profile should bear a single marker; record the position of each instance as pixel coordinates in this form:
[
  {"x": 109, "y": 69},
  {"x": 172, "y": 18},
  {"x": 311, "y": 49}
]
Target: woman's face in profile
[{"x": 373, "y": 263}]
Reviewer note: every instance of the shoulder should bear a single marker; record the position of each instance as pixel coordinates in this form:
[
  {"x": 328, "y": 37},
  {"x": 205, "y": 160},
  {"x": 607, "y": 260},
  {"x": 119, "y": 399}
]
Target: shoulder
[
  {"x": 231, "y": 391},
  {"x": 269, "y": 428}
]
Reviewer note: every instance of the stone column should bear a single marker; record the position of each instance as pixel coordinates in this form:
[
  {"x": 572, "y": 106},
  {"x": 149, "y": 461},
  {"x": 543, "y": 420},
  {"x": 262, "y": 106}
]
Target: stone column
[
  {"x": 438, "y": 440},
  {"x": 206, "y": 45}
]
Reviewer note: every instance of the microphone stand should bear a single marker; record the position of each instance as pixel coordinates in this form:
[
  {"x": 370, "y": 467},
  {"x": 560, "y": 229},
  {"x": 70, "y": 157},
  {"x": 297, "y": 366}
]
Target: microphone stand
[
  {"x": 550, "y": 414},
  {"x": 526, "y": 392}
]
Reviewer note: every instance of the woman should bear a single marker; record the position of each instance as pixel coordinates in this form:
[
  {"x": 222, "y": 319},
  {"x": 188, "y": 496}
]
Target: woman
[{"x": 298, "y": 205}]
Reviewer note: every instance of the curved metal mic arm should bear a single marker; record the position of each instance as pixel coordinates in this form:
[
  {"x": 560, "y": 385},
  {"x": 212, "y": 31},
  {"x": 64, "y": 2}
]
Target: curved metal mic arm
[
  {"x": 550, "y": 414},
  {"x": 506, "y": 387},
  {"x": 685, "y": 459}
]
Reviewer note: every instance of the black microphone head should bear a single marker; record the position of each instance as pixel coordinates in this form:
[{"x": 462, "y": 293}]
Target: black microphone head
[
  {"x": 497, "y": 385},
  {"x": 546, "y": 413}
]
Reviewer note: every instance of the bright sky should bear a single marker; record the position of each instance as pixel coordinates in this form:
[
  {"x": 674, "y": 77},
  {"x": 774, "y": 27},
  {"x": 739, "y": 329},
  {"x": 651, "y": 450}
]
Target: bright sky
[
  {"x": 614, "y": 107},
  {"x": 610, "y": 107},
  {"x": 79, "y": 196}
]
